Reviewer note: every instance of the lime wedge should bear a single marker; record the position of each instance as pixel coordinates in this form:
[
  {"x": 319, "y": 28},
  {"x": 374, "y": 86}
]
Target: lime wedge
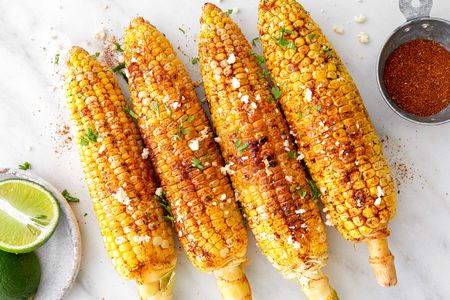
[{"x": 28, "y": 215}]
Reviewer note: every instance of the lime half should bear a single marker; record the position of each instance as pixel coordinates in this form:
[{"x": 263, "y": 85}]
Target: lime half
[
  {"x": 28, "y": 215},
  {"x": 19, "y": 275}
]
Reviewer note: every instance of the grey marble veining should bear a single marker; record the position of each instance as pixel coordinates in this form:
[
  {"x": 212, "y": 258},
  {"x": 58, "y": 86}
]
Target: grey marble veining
[{"x": 32, "y": 109}]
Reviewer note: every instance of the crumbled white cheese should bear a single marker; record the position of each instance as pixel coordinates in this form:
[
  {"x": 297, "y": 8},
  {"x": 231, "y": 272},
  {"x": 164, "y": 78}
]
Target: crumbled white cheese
[
  {"x": 303, "y": 225},
  {"x": 157, "y": 240},
  {"x": 102, "y": 149},
  {"x": 217, "y": 77},
  {"x": 363, "y": 38},
  {"x": 224, "y": 252},
  {"x": 244, "y": 99},
  {"x": 297, "y": 245},
  {"x": 235, "y": 10},
  {"x": 246, "y": 70},
  {"x": 244, "y": 157},
  {"x": 159, "y": 192},
  {"x": 194, "y": 145},
  {"x": 145, "y": 153},
  {"x": 223, "y": 197},
  {"x": 356, "y": 162},
  {"x": 122, "y": 196},
  {"x": 328, "y": 221},
  {"x": 253, "y": 105},
  {"x": 300, "y": 211},
  {"x": 308, "y": 95},
  {"x": 239, "y": 95},
  {"x": 175, "y": 105},
  {"x": 360, "y": 18},
  {"x": 258, "y": 97},
  {"x": 165, "y": 99},
  {"x": 300, "y": 156},
  {"x": 141, "y": 239},
  {"x": 288, "y": 178},
  {"x": 338, "y": 30},
  {"x": 231, "y": 59},
  {"x": 226, "y": 169},
  {"x": 377, "y": 201},
  {"x": 380, "y": 191},
  {"x": 235, "y": 83},
  {"x": 217, "y": 139}
]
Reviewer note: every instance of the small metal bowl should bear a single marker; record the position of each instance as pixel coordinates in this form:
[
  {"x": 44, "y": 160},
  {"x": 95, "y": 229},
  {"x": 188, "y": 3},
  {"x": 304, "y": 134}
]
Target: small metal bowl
[{"x": 418, "y": 26}]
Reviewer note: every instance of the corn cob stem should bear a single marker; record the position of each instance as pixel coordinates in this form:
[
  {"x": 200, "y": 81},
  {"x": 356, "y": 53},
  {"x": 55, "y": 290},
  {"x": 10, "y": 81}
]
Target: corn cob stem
[
  {"x": 233, "y": 283},
  {"x": 317, "y": 287},
  {"x": 382, "y": 262},
  {"x": 157, "y": 286}
]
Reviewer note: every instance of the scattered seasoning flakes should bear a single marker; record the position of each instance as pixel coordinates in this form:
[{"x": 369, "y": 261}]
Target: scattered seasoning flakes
[
  {"x": 155, "y": 108},
  {"x": 300, "y": 192},
  {"x": 161, "y": 198},
  {"x": 241, "y": 147},
  {"x": 259, "y": 59},
  {"x": 292, "y": 154},
  {"x": 69, "y": 197},
  {"x": 195, "y": 60},
  {"x": 56, "y": 59},
  {"x": 96, "y": 55},
  {"x": 311, "y": 36},
  {"x": 254, "y": 41},
  {"x": 118, "y": 47},
  {"x": 314, "y": 189},
  {"x": 228, "y": 12},
  {"x": 92, "y": 136},
  {"x": 196, "y": 163},
  {"x": 129, "y": 111},
  {"x": 276, "y": 92},
  {"x": 318, "y": 107},
  {"x": 25, "y": 166},
  {"x": 182, "y": 30},
  {"x": 282, "y": 41}
]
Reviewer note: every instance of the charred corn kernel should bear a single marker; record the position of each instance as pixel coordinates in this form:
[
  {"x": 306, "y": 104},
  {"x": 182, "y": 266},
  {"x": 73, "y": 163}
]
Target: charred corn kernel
[
  {"x": 176, "y": 130},
  {"x": 121, "y": 183},
  {"x": 325, "y": 108},
  {"x": 255, "y": 143}
]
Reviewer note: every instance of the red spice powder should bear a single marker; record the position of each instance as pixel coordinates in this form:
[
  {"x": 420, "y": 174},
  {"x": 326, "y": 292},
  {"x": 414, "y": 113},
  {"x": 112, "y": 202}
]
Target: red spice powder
[{"x": 417, "y": 77}]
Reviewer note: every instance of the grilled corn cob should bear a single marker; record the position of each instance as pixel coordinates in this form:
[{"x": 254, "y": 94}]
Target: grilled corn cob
[
  {"x": 121, "y": 183},
  {"x": 181, "y": 146},
  {"x": 261, "y": 158},
  {"x": 333, "y": 130}
]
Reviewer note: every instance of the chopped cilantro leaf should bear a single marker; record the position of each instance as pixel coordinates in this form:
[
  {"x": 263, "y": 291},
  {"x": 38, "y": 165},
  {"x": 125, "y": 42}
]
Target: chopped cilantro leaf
[
  {"x": 292, "y": 154},
  {"x": 69, "y": 197},
  {"x": 83, "y": 141},
  {"x": 195, "y": 60},
  {"x": 118, "y": 47},
  {"x": 283, "y": 42},
  {"x": 254, "y": 41},
  {"x": 300, "y": 192},
  {"x": 228, "y": 12},
  {"x": 299, "y": 114},
  {"x": 96, "y": 55},
  {"x": 325, "y": 48},
  {"x": 311, "y": 36},
  {"x": 196, "y": 163},
  {"x": 240, "y": 146},
  {"x": 25, "y": 166},
  {"x": 56, "y": 59},
  {"x": 250, "y": 52},
  {"x": 276, "y": 92},
  {"x": 318, "y": 107},
  {"x": 155, "y": 108},
  {"x": 314, "y": 189},
  {"x": 119, "y": 67},
  {"x": 190, "y": 119},
  {"x": 182, "y": 30},
  {"x": 259, "y": 59},
  {"x": 130, "y": 112},
  {"x": 91, "y": 135}
]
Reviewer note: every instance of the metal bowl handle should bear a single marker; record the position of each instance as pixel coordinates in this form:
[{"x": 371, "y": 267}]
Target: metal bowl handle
[{"x": 412, "y": 12}]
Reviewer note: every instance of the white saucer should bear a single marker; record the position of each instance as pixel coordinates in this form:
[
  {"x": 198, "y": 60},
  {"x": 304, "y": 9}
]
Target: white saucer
[{"x": 60, "y": 256}]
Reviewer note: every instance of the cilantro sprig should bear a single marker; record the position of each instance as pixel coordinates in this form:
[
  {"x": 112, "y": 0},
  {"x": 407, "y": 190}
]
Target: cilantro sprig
[
  {"x": 162, "y": 201},
  {"x": 197, "y": 164},
  {"x": 314, "y": 189},
  {"x": 241, "y": 146},
  {"x": 25, "y": 166},
  {"x": 69, "y": 197}
]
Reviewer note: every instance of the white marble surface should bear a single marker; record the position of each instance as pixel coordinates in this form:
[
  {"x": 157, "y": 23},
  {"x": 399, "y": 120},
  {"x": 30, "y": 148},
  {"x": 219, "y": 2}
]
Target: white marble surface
[{"x": 32, "y": 32}]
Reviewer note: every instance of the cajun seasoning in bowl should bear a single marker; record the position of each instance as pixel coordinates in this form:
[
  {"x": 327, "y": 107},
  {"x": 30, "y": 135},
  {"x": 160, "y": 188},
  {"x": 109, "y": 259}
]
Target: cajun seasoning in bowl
[{"x": 417, "y": 77}]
